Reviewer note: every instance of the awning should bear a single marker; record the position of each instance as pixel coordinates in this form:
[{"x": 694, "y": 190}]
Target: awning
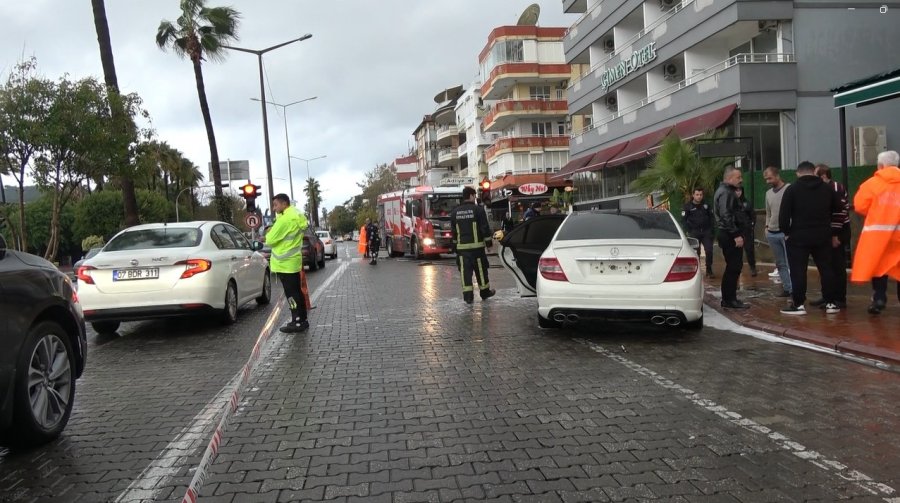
[
  {"x": 573, "y": 165},
  {"x": 869, "y": 90},
  {"x": 640, "y": 147},
  {"x": 594, "y": 162},
  {"x": 700, "y": 125}
]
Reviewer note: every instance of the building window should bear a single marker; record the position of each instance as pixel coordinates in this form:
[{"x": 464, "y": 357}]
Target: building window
[
  {"x": 765, "y": 129},
  {"x": 542, "y": 128},
  {"x": 539, "y": 92},
  {"x": 560, "y": 93}
]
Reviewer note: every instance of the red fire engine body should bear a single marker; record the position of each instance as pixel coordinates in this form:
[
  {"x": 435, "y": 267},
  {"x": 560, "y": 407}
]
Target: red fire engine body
[{"x": 417, "y": 220}]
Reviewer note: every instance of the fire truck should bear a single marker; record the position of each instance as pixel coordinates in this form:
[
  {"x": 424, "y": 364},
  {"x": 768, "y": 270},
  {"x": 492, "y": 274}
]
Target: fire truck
[{"x": 417, "y": 220}]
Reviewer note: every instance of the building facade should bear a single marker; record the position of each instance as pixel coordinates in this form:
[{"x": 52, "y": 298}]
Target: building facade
[{"x": 760, "y": 70}]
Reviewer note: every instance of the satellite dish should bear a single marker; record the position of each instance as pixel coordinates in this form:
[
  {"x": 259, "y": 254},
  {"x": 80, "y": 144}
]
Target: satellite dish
[{"x": 530, "y": 16}]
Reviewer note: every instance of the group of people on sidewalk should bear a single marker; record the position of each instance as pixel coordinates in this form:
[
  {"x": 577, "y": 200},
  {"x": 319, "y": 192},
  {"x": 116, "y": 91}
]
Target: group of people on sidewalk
[{"x": 809, "y": 218}]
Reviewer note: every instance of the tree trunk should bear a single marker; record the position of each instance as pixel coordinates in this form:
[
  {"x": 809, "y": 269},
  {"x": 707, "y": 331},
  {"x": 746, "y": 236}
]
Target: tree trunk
[
  {"x": 23, "y": 236},
  {"x": 112, "y": 83},
  {"x": 211, "y": 137},
  {"x": 53, "y": 242}
]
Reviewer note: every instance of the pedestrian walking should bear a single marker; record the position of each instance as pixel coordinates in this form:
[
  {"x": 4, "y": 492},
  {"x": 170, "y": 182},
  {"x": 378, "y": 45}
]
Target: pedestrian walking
[
  {"x": 878, "y": 250},
  {"x": 697, "y": 219},
  {"x": 841, "y": 224},
  {"x": 471, "y": 237},
  {"x": 286, "y": 240},
  {"x": 533, "y": 211},
  {"x": 373, "y": 240},
  {"x": 747, "y": 223},
  {"x": 726, "y": 207},
  {"x": 363, "y": 246},
  {"x": 807, "y": 209},
  {"x": 774, "y": 236}
]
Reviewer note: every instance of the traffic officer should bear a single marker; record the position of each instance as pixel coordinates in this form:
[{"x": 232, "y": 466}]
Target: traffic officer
[
  {"x": 286, "y": 240},
  {"x": 697, "y": 219},
  {"x": 471, "y": 236}
]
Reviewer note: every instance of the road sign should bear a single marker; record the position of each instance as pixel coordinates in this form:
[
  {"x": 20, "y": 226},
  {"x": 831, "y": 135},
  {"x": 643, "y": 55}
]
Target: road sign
[{"x": 252, "y": 220}]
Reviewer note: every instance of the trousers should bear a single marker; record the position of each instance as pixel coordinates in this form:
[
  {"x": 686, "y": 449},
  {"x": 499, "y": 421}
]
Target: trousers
[
  {"x": 473, "y": 261},
  {"x": 734, "y": 262},
  {"x": 798, "y": 258},
  {"x": 290, "y": 281}
]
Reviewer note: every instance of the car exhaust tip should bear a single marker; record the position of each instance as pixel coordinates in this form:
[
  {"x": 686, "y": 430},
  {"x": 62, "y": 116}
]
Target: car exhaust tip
[
  {"x": 673, "y": 321},
  {"x": 658, "y": 319},
  {"x": 572, "y": 318},
  {"x": 559, "y": 317}
]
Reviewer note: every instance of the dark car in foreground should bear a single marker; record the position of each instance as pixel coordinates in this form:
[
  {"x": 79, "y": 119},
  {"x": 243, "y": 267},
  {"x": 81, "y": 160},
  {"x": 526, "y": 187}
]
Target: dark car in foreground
[{"x": 42, "y": 348}]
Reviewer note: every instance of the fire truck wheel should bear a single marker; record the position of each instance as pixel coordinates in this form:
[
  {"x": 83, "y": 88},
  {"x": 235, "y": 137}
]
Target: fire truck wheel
[{"x": 414, "y": 250}]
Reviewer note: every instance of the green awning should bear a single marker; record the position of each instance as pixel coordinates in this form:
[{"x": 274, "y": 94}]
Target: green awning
[{"x": 868, "y": 91}]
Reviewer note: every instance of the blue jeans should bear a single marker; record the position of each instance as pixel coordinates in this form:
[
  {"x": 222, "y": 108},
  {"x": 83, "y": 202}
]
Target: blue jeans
[{"x": 779, "y": 250}]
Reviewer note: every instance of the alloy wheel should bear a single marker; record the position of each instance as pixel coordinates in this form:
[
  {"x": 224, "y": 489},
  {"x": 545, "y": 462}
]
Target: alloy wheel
[{"x": 49, "y": 381}]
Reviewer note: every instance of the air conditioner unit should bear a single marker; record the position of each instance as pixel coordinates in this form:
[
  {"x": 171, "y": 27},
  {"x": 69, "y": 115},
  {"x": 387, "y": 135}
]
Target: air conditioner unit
[
  {"x": 868, "y": 142},
  {"x": 609, "y": 44},
  {"x": 671, "y": 71},
  {"x": 563, "y": 84},
  {"x": 611, "y": 102},
  {"x": 668, "y": 4},
  {"x": 767, "y": 25}
]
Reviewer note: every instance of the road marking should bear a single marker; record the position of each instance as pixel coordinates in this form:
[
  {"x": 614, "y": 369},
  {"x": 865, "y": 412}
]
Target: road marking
[
  {"x": 837, "y": 468},
  {"x": 170, "y": 460}
]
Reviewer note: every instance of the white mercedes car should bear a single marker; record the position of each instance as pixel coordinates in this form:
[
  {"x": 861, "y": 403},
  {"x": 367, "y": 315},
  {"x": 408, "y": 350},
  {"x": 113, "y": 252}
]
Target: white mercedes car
[
  {"x": 329, "y": 242},
  {"x": 633, "y": 265},
  {"x": 161, "y": 270}
]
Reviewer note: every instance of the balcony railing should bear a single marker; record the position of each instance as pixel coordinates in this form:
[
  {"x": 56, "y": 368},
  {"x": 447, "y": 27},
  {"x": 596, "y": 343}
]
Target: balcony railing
[
  {"x": 525, "y": 106},
  {"x": 693, "y": 79},
  {"x": 529, "y": 141},
  {"x": 627, "y": 43},
  {"x": 447, "y": 154}
]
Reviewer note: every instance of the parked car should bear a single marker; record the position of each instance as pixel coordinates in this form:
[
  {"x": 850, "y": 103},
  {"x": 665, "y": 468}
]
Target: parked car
[
  {"x": 90, "y": 254},
  {"x": 632, "y": 265},
  {"x": 161, "y": 270},
  {"x": 328, "y": 242},
  {"x": 313, "y": 250},
  {"x": 42, "y": 348}
]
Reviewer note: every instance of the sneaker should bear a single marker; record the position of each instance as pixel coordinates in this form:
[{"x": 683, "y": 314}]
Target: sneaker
[
  {"x": 292, "y": 328},
  {"x": 832, "y": 308},
  {"x": 735, "y": 304},
  {"x": 486, "y": 294},
  {"x": 794, "y": 310},
  {"x": 783, "y": 294},
  {"x": 773, "y": 274},
  {"x": 818, "y": 303}
]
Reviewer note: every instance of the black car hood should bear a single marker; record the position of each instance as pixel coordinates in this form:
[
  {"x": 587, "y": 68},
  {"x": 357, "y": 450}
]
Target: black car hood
[{"x": 29, "y": 259}]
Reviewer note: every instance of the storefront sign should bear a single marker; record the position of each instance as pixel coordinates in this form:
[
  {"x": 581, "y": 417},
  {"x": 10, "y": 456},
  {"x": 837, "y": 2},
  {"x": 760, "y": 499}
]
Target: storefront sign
[
  {"x": 628, "y": 66},
  {"x": 457, "y": 180},
  {"x": 532, "y": 189}
]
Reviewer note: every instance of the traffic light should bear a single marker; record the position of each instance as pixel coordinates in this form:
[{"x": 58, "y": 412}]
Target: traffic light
[
  {"x": 250, "y": 192},
  {"x": 486, "y": 192}
]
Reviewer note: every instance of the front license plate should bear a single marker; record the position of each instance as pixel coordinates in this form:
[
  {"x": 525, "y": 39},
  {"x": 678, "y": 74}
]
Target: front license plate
[
  {"x": 615, "y": 267},
  {"x": 133, "y": 274}
]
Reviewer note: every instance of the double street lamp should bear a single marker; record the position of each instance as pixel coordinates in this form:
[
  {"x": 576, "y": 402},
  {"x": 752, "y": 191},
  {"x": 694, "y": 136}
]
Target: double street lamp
[
  {"x": 262, "y": 98},
  {"x": 286, "y": 141},
  {"x": 313, "y": 210}
]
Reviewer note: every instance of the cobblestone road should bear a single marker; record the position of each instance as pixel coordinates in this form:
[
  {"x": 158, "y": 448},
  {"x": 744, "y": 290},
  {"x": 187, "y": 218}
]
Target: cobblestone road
[{"x": 402, "y": 392}]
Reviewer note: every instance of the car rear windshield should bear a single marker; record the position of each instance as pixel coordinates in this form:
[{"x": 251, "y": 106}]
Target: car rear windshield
[
  {"x": 168, "y": 237},
  {"x": 632, "y": 225}
]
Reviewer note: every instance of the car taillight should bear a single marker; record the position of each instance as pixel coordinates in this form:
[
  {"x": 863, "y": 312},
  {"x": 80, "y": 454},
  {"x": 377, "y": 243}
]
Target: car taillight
[
  {"x": 683, "y": 269},
  {"x": 550, "y": 269},
  {"x": 84, "y": 274},
  {"x": 194, "y": 266},
  {"x": 74, "y": 297}
]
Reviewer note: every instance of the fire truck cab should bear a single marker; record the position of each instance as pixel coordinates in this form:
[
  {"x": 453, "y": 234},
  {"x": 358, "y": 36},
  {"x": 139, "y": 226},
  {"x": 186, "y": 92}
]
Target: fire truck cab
[{"x": 417, "y": 220}]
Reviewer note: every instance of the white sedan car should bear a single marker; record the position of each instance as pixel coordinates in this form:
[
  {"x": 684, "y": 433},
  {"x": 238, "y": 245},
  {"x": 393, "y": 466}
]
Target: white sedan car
[
  {"x": 328, "y": 241},
  {"x": 160, "y": 270},
  {"x": 634, "y": 265}
]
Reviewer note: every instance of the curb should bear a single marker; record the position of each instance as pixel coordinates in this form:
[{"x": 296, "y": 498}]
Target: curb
[{"x": 849, "y": 347}]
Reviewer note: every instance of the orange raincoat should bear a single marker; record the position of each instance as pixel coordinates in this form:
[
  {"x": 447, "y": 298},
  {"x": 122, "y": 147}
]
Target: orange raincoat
[
  {"x": 878, "y": 251},
  {"x": 363, "y": 242}
]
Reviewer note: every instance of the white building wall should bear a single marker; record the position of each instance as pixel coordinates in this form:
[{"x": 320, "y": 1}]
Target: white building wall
[{"x": 703, "y": 56}]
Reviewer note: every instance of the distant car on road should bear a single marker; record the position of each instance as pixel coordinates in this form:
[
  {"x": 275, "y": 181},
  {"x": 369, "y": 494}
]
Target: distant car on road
[
  {"x": 313, "y": 250},
  {"x": 161, "y": 270},
  {"x": 328, "y": 242},
  {"x": 90, "y": 254},
  {"x": 632, "y": 265},
  {"x": 42, "y": 348}
]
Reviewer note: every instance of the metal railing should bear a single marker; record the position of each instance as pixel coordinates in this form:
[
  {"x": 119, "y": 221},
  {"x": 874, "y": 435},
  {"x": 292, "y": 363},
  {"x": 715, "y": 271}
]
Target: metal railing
[{"x": 712, "y": 71}]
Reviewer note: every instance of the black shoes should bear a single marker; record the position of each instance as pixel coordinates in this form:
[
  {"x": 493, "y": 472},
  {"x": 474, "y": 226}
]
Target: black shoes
[
  {"x": 753, "y": 271},
  {"x": 486, "y": 294},
  {"x": 295, "y": 327},
  {"x": 468, "y": 297},
  {"x": 876, "y": 307},
  {"x": 735, "y": 304}
]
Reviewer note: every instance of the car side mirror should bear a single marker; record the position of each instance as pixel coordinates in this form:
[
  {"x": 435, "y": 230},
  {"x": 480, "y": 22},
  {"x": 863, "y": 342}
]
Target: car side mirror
[{"x": 256, "y": 245}]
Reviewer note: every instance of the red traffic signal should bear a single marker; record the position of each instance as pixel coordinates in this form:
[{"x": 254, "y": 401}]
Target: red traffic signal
[
  {"x": 486, "y": 191},
  {"x": 250, "y": 192}
]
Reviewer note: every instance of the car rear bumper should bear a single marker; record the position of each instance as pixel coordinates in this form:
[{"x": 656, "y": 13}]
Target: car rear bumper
[
  {"x": 182, "y": 298},
  {"x": 145, "y": 312}
]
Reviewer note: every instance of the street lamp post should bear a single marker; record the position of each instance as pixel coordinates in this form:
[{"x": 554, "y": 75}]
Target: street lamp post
[
  {"x": 308, "y": 178},
  {"x": 262, "y": 98},
  {"x": 286, "y": 141}
]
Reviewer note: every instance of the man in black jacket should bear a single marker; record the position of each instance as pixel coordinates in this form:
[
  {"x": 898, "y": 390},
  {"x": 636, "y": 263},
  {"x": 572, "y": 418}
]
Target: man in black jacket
[
  {"x": 731, "y": 236},
  {"x": 471, "y": 236},
  {"x": 697, "y": 219},
  {"x": 807, "y": 210}
]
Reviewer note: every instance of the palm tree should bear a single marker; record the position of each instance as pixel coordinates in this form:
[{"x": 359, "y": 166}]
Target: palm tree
[
  {"x": 200, "y": 34},
  {"x": 112, "y": 84},
  {"x": 676, "y": 170},
  {"x": 313, "y": 197}
]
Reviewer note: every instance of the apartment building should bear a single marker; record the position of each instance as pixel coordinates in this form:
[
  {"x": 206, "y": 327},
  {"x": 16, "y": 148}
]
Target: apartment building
[{"x": 758, "y": 69}]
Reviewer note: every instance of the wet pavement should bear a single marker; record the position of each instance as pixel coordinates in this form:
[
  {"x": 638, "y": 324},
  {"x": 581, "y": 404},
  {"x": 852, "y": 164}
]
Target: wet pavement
[{"x": 852, "y": 331}]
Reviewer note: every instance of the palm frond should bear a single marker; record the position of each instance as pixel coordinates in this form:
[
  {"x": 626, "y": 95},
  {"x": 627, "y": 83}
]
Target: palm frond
[{"x": 165, "y": 33}]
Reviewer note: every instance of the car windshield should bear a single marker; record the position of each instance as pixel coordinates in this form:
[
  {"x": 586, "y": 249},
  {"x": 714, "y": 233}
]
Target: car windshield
[
  {"x": 626, "y": 225},
  {"x": 442, "y": 206},
  {"x": 166, "y": 237},
  {"x": 323, "y": 234}
]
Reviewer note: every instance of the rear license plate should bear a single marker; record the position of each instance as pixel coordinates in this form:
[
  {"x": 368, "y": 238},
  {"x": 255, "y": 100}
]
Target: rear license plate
[
  {"x": 615, "y": 267},
  {"x": 133, "y": 274}
]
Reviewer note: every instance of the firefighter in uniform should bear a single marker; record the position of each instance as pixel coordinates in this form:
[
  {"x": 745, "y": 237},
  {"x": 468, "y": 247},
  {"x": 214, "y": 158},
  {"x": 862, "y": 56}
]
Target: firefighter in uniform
[
  {"x": 286, "y": 240},
  {"x": 471, "y": 236}
]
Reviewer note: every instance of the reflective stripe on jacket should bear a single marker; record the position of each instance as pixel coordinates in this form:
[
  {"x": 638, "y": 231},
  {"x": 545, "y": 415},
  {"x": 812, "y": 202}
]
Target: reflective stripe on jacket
[
  {"x": 878, "y": 250},
  {"x": 286, "y": 240}
]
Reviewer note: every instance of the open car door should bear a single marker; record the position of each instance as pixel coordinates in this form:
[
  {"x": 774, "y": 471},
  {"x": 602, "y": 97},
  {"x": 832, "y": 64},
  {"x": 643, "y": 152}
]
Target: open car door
[{"x": 521, "y": 249}]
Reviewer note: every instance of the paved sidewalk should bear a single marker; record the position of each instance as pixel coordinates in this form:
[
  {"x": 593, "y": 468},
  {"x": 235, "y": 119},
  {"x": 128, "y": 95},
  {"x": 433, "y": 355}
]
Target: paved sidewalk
[{"x": 852, "y": 331}]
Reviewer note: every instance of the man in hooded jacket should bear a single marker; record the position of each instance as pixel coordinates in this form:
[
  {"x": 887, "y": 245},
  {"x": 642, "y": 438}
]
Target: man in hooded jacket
[{"x": 878, "y": 250}]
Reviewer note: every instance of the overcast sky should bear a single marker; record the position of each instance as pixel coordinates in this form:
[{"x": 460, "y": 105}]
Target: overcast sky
[{"x": 375, "y": 66}]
